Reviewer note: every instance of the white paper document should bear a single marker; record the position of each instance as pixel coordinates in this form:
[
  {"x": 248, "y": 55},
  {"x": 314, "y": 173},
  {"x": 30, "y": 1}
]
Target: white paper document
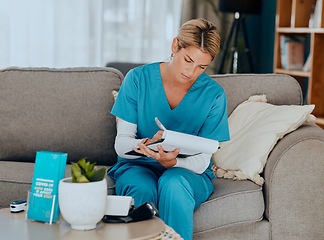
[{"x": 189, "y": 145}]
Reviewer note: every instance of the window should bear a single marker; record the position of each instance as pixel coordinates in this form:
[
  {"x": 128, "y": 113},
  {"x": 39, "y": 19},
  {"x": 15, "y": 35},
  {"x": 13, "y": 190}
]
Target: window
[
  {"x": 139, "y": 30},
  {"x": 72, "y": 33}
]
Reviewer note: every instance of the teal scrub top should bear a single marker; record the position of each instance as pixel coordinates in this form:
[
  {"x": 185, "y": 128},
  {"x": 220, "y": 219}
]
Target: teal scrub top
[{"x": 141, "y": 98}]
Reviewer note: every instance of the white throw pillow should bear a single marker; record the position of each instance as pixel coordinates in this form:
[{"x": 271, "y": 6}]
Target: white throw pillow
[
  {"x": 255, "y": 127},
  {"x": 115, "y": 94}
]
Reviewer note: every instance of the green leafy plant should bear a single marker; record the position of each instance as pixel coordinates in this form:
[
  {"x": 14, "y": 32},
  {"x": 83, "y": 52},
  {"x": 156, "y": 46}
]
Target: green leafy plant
[{"x": 83, "y": 171}]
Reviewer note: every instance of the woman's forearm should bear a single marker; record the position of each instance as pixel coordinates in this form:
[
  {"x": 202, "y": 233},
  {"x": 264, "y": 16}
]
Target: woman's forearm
[
  {"x": 126, "y": 139},
  {"x": 197, "y": 164}
]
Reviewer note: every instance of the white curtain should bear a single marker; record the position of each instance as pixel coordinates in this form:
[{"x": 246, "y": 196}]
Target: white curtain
[
  {"x": 71, "y": 33},
  {"x": 51, "y": 33},
  {"x": 139, "y": 30}
]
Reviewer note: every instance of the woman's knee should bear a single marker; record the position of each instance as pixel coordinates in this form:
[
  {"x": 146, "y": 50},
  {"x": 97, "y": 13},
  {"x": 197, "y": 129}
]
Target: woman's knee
[
  {"x": 139, "y": 183},
  {"x": 174, "y": 181},
  {"x": 174, "y": 176},
  {"x": 181, "y": 184}
]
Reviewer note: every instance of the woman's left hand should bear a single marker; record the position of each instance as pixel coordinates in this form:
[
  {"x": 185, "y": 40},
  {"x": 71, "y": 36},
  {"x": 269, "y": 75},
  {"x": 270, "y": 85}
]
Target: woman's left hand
[{"x": 167, "y": 159}]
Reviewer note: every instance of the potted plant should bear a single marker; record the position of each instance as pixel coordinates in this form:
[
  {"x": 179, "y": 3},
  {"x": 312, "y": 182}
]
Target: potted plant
[{"x": 82, "y": 197}]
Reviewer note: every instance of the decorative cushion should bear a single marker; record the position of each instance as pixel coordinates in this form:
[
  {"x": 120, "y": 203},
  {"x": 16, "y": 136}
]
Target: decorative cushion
[
  {"x": 115, "y": 94},
  {"x": 255, "y": 127}
]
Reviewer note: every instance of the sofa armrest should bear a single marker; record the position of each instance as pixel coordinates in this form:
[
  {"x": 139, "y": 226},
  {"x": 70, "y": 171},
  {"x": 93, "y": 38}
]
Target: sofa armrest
[{"x": 294, "y": 179}]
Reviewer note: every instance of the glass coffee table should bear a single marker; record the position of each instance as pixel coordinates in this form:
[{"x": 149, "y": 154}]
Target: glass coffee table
[{"x": 15, "y": 226}]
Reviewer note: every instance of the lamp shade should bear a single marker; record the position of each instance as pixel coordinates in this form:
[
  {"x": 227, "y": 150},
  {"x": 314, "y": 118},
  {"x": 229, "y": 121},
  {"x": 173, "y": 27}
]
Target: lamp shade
[{"x": 241, "y": 6}]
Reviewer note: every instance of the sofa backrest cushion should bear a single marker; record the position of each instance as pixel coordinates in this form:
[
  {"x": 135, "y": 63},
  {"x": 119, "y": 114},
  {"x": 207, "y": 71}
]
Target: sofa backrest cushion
[
  {"x": 279, "y": 89},
  {"x": 68, "y": 110},
  {"x": 60, "y": 110}
]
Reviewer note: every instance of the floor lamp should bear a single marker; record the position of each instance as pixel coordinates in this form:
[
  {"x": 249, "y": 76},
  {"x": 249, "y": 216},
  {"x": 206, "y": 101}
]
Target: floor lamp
[{"x": 239, "y": 8}]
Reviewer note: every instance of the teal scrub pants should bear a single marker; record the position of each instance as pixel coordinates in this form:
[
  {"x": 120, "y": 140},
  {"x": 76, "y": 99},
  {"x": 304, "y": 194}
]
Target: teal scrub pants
[{"x": 177, "y": 192}]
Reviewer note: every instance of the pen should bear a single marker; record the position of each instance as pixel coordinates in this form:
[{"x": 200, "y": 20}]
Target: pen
[{"x": 160, "y": 125}]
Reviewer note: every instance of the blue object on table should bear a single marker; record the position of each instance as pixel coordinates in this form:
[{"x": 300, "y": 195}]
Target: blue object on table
[{"x": 43, "y": 198}]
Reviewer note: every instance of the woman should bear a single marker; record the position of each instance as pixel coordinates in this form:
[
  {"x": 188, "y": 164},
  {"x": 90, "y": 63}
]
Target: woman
[{"x": 184, "y": 99}]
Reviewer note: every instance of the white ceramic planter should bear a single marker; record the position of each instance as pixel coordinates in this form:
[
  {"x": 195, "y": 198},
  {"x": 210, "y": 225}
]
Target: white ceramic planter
[{"x": 82, "y": 204}]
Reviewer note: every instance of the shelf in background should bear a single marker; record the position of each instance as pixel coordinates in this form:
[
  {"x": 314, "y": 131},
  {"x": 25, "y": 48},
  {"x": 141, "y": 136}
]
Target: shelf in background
[
  {"x": 293, "y": 72},
  {"x": 299, "y": 30},
  {"x": 293, "y": 19},
  {"x": 320, "y": 122}
]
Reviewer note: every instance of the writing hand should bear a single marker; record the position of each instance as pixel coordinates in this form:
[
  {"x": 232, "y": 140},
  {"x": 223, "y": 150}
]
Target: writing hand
[{"x": 155, "y": 138}]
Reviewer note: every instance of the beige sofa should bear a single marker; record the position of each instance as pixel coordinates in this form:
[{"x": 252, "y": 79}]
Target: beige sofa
[{"x": 67, "y": 110}]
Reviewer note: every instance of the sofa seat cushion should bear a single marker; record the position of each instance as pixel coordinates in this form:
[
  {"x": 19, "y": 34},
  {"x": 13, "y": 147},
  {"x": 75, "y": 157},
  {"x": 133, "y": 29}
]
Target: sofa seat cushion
[
  {"x": 232, "y": 202},
  {"x": 21, "y": 172},
  {"x": 16, "y": 179}
]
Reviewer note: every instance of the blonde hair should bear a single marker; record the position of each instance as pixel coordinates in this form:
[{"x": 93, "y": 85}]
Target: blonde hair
[{"x": 199, "y": 33}]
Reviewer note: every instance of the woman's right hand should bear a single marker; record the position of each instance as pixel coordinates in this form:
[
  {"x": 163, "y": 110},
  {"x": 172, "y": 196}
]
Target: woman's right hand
[
  {"x": 156, "y": 137},
  {"x": 167, "y": 159}
]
